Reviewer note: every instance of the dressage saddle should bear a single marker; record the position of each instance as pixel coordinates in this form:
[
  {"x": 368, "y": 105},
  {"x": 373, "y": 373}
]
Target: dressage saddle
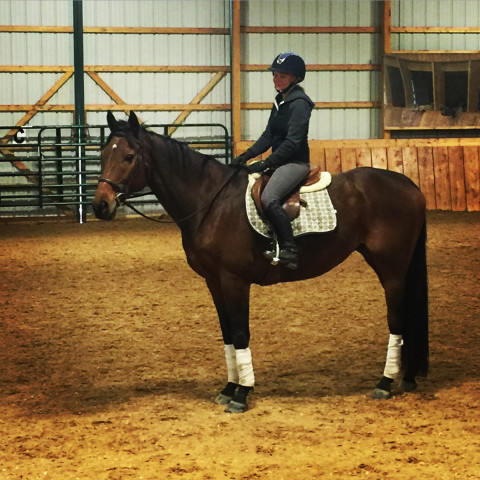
[{"x": 293, "y": 203}]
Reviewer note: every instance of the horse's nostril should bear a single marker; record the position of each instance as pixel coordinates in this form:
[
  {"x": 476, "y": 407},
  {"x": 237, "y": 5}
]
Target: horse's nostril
[{"x": 101, "y": 210}]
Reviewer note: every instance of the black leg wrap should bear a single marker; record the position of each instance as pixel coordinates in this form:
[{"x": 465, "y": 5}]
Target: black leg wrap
[
  {"x": 385, "y": 383},
  {"x": 383, "y": 389},
  {"x": 242, "y": 394},
  {"x": 227, "y": 394},
  {"x": 239, "y": 402},
  {"x": 230, "y": 389},
  {"x": 409, "y": 384}
]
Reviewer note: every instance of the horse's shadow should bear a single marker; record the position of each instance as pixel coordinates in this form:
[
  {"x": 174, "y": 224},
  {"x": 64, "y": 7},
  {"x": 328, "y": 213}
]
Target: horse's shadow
[
  {"x": 38, "y": 383},
  {"x": 296, "y": 379}
]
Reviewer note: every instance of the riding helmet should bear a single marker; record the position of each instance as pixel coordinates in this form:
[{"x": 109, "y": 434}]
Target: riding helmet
[{"x": 289, "y": 62}]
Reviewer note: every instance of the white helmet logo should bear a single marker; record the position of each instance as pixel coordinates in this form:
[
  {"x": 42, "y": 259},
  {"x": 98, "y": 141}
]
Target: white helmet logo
[{"x": 283, "y": 56}]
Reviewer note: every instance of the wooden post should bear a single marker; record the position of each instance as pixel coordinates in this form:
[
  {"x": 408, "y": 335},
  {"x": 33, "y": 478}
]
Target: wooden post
[
  {"x": 236, "y": 72},
  {"x": 387, "y": 26},
  {"x": 387, "y": 48}
]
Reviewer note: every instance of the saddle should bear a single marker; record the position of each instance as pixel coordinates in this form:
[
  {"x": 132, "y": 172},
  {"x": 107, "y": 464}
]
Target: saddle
[{"x": 293, "y": 203}]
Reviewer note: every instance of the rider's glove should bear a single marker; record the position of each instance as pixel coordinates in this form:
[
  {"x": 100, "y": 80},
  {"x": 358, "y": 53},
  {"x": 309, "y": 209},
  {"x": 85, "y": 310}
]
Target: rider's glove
[
  {"x": 241, "y": 159},
  {"x": 257, "y": 167}
]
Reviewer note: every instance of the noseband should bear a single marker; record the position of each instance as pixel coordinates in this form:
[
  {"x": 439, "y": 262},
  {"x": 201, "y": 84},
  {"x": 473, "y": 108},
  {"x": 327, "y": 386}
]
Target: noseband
[{"x": 122, "y": 192}]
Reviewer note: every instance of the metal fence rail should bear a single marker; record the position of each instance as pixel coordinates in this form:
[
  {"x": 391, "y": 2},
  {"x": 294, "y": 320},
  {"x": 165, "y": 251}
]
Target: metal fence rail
[{"x": 53, "y": 170}]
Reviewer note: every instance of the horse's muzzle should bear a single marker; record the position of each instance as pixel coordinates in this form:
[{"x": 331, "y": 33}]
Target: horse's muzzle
[
  {"x": 105, "y": 202},
  {"x": 103, "y": 211}
]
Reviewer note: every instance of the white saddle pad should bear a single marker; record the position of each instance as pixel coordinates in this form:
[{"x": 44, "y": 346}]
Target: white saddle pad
[{"x": 317, "y": 217}]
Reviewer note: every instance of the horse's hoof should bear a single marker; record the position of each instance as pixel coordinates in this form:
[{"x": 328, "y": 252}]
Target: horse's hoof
[
  {"x": 222, "y": 399},
  {"x": 379, "y": 394},
  {"x": 236, "y": 407},
  {"x": 408, "y": 386}
]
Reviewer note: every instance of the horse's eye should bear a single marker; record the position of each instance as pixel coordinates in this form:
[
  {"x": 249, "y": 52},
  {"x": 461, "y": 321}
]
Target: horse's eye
[{"x": 129, "y": 158}]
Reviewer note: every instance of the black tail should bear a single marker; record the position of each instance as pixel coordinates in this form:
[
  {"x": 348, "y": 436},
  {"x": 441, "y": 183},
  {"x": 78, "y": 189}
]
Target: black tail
[{"x": 415, "y": 350}]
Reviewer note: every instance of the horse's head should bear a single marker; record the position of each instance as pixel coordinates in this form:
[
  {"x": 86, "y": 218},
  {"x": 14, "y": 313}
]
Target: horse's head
[{"x": 123, "y": 167}]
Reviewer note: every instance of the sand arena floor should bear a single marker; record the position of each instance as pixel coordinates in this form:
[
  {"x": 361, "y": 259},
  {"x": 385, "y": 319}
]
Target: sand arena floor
[{"x": 111, "y": 354}]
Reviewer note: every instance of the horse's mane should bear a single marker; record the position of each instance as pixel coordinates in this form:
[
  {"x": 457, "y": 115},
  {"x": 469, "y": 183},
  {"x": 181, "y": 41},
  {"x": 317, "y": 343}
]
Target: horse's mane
[
  {"x": 179, "y": 148},
  {"x": 176, "y": 148}
]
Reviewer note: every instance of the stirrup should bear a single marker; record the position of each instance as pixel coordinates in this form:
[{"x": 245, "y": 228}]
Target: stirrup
[
  {"x": 289, "y": 258},
  {"x": 273, "y": 255}
]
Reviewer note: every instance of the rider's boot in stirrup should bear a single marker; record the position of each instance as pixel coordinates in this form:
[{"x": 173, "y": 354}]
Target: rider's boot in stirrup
[{"x": 288, "y": 254}]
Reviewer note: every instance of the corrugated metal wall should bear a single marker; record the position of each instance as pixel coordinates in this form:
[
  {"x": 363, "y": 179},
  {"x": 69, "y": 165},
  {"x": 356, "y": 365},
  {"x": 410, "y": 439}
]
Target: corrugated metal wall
[
  {"x": 116, "y": 49},
  {"x": 26, "y": 49},
  {"x": 328, "y": 48},
  {"x": 440, "y": 13},
  {"x": 213, "y": 49},
  {"x": 168, "y": 50},
  {"x": 35, "y": 50}
]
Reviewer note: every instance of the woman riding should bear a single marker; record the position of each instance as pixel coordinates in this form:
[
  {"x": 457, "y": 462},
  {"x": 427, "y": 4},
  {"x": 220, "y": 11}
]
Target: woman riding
[{"x": 289, "y": 164}]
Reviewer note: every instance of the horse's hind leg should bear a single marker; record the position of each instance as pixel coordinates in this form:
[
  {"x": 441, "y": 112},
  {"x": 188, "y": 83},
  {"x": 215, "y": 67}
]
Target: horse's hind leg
[
  {"x": 393, "y": 362},
  {"x": 403, "y": 274}
]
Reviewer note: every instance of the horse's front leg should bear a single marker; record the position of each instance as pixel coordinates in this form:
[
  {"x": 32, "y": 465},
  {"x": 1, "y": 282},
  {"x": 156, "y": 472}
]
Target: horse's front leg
[{"x": 231, "y": 297}]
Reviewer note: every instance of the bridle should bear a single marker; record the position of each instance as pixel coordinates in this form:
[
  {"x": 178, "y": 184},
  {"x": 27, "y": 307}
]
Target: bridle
[
  {"x": 123, "y": 192},
  {"x": 123, "y": 188}
]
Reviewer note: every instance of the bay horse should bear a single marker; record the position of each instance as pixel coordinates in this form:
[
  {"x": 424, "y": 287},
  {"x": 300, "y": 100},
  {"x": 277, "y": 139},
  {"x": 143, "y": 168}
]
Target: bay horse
[{"x": 380, "y": 214}]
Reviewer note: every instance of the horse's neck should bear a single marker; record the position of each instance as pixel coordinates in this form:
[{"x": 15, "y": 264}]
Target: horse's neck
[{"x": 183, "y": 180}]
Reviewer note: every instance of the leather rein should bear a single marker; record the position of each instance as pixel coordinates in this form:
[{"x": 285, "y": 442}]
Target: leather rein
[{"x": 123, "y": 193}]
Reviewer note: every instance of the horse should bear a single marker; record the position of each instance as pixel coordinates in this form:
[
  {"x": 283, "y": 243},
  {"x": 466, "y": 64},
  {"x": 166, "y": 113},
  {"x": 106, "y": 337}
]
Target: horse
[{"x": 380, "y": 213}]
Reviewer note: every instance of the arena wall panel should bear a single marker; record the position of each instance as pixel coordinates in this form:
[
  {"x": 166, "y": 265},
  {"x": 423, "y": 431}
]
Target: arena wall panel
[{"x": 446, "y": 170}]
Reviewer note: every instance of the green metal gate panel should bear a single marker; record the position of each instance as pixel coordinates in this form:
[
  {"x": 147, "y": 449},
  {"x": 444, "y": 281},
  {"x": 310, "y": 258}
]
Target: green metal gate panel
[{"x": 56, "y": 171}]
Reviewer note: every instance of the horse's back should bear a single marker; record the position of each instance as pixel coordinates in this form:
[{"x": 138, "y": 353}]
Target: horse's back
[
  {"x": 377, "y": 209},
  {"x": 378, "y": 190}
]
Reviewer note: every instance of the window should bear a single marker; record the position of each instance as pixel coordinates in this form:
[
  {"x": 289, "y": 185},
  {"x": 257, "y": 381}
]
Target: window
[
  {"x": 430, "y": 91},
  {"x": 456, "y": 91},
  {"x": 396, "y": 86},
  {"x": 422, "y": 86}
]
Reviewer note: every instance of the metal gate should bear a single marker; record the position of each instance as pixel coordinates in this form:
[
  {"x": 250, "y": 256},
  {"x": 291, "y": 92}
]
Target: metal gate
[{"x": 55, "y": 170}]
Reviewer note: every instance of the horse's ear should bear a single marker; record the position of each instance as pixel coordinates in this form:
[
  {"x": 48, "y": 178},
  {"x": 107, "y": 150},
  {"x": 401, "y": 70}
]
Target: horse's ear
[
  {"x": 112, "y": 123},
  {"x": 133, "y": 122}
]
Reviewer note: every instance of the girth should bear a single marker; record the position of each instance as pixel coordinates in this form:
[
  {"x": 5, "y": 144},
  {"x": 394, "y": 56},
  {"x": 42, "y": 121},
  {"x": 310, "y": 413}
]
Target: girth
[{"x": 293, "y": 203}]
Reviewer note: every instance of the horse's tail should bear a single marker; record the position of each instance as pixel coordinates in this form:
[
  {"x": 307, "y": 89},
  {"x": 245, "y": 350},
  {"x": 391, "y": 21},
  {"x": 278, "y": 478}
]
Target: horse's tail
[{"x": 415, "y": 335}]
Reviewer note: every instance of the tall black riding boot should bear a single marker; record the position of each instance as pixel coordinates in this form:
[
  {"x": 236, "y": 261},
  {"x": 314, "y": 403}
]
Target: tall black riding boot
[{"x": 281, "y": 224}]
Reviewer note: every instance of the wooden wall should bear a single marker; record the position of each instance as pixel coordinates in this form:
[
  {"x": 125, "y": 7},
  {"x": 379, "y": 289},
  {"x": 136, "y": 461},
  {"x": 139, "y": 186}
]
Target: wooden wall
[{"x": 446, "y": 170}]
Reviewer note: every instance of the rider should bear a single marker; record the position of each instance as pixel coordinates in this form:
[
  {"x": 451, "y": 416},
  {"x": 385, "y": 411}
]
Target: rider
[{"x": 287, "y": 134}]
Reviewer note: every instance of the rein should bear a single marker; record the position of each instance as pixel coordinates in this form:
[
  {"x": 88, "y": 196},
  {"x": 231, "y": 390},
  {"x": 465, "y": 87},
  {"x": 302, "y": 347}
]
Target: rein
[
  {"x": 208, "y": 204},
  {"x": 131, "y": 207},
  {"x": 121, "y": 198},
  {"x": 122, "y": 194}
]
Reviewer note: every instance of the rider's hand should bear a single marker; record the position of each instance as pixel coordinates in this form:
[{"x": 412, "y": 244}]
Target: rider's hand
[
  {"x": 241, "y": 159},
  {"x": 256, "y": 167}
]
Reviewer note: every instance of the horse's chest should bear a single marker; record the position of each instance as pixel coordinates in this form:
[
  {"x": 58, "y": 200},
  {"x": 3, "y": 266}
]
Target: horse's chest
[{"x": 198, "y": 259}]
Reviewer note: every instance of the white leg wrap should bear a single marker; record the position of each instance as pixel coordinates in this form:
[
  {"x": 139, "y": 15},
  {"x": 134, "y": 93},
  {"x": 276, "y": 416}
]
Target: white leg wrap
[
  {"x": 245, "y": 367},
  {"x": 393, "y": 362},
  {"x": 231, "y": 358}
]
